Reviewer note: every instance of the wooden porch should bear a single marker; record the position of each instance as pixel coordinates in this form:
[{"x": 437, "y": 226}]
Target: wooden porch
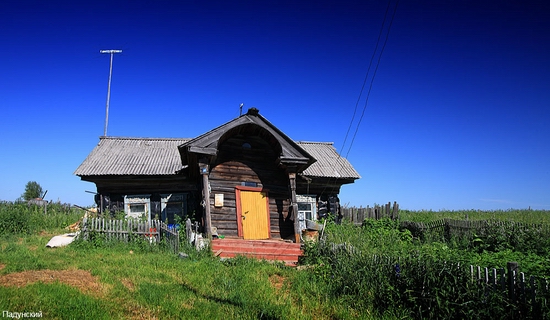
[{"x": 273, "y": 250}]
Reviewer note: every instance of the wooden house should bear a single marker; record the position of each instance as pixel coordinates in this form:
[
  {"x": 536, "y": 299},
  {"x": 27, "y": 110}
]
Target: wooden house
[{"x": 244, "y": 179}]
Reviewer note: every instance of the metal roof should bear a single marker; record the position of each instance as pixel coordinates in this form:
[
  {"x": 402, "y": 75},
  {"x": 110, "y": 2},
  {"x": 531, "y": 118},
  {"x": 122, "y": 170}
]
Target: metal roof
[
  {"x": 329, "y": 163},
  {"x": 160, "y": 156},
  {"x": 132, "y": 156}
]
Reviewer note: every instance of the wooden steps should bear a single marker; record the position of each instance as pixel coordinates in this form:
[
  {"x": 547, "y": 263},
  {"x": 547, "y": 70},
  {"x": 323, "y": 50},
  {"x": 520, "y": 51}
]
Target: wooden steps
[{"x": 274, "y": 250}]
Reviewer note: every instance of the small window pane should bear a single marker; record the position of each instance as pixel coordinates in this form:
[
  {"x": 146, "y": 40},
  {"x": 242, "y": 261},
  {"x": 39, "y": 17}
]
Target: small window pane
[
  {"x": 304, "y": 206},
  {"x": 137, "y": 208}
]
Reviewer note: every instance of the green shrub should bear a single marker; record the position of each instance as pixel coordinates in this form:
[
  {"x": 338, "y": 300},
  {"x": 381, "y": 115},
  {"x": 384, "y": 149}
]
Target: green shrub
[{"x": 23, "y": 218}]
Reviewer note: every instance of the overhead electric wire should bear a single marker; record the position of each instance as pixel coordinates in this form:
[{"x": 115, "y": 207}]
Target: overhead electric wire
[
  {"x": 365, "y": 81},
  {"x": 372, "y": 79},
  {"x": 366, "y": 76}
]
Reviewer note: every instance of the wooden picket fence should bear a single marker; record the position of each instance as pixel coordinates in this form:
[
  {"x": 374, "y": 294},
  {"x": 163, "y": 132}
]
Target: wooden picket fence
[
  {"x": 515, "y": 285},
  {"x": 126, "y": 230},
  {"x": 358, "y": 215}
]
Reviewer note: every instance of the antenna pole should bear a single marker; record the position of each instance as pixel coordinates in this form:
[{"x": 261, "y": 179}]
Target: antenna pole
[{"x": 111, "y": 52}]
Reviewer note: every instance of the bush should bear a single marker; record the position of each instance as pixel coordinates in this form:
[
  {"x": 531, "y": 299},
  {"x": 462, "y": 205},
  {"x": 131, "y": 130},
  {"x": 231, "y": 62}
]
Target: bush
[{"x": 23, "y": 218}]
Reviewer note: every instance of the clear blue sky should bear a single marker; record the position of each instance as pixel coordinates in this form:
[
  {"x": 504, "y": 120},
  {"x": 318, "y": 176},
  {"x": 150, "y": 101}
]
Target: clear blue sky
[{"x": 458, "y": 116}]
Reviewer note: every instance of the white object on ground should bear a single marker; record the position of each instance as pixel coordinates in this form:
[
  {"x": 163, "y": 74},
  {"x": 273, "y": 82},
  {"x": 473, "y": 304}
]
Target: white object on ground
[{"x": 61, "y": 240}]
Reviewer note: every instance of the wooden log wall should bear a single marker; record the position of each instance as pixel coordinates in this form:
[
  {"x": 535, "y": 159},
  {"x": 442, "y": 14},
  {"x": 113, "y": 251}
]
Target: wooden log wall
[
  {"x": 255, "y": 166},
  {"x": 143, "y": 184}
]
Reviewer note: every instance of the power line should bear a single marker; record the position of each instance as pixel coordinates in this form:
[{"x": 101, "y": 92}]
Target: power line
[
  {"x": 366, "y": 75},
  {"x": 373, "y": 76},
  {"x": 364, "y": 82}
]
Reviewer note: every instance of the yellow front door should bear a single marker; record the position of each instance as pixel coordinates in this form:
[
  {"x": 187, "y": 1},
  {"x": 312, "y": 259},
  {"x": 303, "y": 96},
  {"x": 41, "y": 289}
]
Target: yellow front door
[{"x": 254, "y": 215}]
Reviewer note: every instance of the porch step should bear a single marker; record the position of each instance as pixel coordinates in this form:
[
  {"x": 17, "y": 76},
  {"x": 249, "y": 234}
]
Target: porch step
[{"x": 275, "y": 250}]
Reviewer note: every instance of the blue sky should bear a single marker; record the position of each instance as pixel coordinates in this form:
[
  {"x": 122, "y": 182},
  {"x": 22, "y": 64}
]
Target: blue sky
[{"x": 457, "y": 117}]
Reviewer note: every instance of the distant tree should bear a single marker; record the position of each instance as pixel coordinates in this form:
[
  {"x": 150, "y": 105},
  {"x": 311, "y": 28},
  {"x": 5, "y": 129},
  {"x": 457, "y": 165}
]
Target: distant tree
[{"x": 32, "y": 190}]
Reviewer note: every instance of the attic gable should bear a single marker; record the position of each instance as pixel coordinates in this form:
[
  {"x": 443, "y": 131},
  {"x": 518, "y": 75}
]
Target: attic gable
[{"x": 206, "y": 145}]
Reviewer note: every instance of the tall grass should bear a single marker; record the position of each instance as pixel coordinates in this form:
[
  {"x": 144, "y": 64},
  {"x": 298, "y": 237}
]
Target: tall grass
[
  {"x": 23, "y": 218},
  {"x": 522, "y": 216},
  {"x": 381, "y": 268}
]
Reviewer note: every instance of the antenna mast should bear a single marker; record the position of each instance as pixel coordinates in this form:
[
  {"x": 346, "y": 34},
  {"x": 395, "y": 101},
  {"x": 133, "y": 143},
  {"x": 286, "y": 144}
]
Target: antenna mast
[{"x": 111, "y": 52}]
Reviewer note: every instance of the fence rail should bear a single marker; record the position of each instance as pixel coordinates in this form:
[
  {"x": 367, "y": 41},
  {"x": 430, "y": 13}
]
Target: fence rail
[
  {"x": 358, "y": 215},
  {"x": 517, "y": 287},
  {"x": 450, "y": 227},
  {"x": 127, "y": 230}
]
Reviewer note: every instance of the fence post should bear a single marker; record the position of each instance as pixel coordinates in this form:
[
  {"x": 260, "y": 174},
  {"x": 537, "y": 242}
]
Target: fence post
[{"x": 512, "y": 268}]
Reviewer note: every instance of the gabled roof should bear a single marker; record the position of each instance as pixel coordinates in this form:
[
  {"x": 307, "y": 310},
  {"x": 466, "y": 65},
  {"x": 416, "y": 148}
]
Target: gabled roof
[
  {"x": 160, "y": 156},
  {"x": 329, "y": 163},
  {"x": 132, "y": 156},
  {"x": 207, "y": 143}
]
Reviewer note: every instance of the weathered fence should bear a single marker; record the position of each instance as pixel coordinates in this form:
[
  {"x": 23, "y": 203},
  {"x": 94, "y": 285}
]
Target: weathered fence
[
  {"x": 449, "y": 227},
  {"x": 528, "y": 293},
  {"x": 515, "y": 285},
  {"x": 126, "y": 230},
  {"x": 357, "y": 215}
]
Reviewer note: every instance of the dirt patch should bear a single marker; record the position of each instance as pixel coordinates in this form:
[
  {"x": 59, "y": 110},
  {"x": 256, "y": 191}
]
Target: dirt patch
[
  {"x": 2, "y": 266},
  {"x": 140, "y": 313},
  {"x": 128, "y": 284},
  {"x": 80, "y": 279},
  {"x": 276, "y": 281}
]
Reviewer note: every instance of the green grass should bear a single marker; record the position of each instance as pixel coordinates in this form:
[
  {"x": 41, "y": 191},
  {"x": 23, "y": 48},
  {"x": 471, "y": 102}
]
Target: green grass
[
  {"x": 139, "y": 281},
  {"x": 134, "y": 281}
]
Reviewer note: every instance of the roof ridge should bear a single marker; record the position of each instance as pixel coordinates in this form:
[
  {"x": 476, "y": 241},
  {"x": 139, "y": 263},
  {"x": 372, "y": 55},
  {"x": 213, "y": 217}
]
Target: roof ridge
[
  {"x": 315, "y": 142},
  {"x": 141, "y": 138}
]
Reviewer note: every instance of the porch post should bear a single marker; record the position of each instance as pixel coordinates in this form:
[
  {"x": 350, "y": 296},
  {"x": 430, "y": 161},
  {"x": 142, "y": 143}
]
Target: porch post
[
  {"x": 292, "y": 178},
  {"x": 203, "y": 167}
]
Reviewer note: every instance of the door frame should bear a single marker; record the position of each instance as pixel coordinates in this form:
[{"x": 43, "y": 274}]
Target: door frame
[{"x": 238, "y": 190}]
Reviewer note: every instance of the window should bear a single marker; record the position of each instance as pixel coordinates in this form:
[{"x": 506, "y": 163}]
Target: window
[
  {"x": 137, "y": 206},
  {"x": 137, "y": 209},
  {"x": 307, "y": 209},
  {"x": 173, "y": 207}
]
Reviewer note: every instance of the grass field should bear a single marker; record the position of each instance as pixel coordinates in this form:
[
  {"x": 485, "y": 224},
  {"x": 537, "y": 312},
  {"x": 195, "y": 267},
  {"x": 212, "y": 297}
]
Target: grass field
[
  {"x": 108, "y": 280},
  {"x": 139, "y": 282},
  {"x": 523, "y": 216}
]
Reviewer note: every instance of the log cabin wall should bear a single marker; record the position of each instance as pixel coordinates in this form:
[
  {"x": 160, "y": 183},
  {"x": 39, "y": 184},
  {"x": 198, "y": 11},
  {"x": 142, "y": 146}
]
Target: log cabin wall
[
  {"x": 249, "y": 160},
  {"x": 143, "y": 184},
  {"x": 113, "y": 188}
]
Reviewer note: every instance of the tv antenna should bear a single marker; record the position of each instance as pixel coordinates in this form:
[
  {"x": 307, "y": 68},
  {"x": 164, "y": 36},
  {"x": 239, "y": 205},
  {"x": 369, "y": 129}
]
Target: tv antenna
[{"x": 111, "y": 52}]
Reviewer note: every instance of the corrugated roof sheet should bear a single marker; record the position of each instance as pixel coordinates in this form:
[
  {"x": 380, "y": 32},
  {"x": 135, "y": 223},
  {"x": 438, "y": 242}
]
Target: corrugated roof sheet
[
  {"x": 160, "y": 156},
  {"x": 132, "y": 156},
  {"x": 329, "y": 163}
]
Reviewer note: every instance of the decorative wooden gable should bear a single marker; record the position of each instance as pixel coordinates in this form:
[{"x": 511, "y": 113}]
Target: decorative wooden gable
[{"x": 207, "y": 146}]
